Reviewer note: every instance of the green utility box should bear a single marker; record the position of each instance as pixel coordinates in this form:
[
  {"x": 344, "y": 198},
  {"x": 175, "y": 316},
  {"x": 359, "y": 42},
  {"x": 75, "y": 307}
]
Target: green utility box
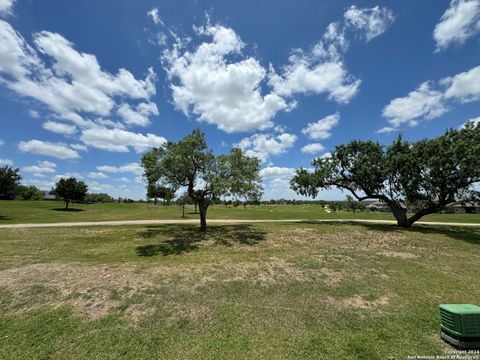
[{"x": 460, "y": 325}]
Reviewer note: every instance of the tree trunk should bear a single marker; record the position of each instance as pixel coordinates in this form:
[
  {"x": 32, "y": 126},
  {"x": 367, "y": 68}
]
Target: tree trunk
[
  {"x": 203, "y": 216},
  {"x": 183, "y": 210},
  {"x": 421, "y": 213},
  {"x": 400, "y": 214},
  {"x": 66, "y": 204},
  {"x": 155, "y": 201},
  {"x": 196, "y": 212}
]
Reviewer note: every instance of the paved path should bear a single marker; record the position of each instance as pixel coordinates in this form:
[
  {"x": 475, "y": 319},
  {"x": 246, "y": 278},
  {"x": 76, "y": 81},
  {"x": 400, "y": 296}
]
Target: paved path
[{"x": 218, "y": 221}]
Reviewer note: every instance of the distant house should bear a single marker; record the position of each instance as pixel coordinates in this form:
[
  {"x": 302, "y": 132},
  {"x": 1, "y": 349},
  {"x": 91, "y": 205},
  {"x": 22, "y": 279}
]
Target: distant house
[
  {"x": 376, "y": 206},
  {"x": 463, "y": 207},
  {"x": 47, "y": 195}
]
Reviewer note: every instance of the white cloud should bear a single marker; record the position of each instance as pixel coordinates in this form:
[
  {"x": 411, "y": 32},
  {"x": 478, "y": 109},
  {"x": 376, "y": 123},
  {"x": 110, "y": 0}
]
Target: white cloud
[
  {"x": 314, "y": 148},
  {"x": 371, "y": 22},
  {"x": 70, "y": 83},
  {"x": 2, "y": 142},
  {"x": 97, "y": 175},
  {"x": 263, "y": 146},
  {"x": 155, "y": 16},
  {"x": 459, "y": 22},
  {"x": 4, "y": 162},
  {"x": 118, "y": 140},
  {"x": 321, "y": 129},
  {"x": 322, "y": 69},
  {"x": 224, "y": 93},
  {"x": 6, "y": 7},
  {"x": 58, "y": 150},
  {"x": 43, "y": 167},
  {"x": 276, "y": 172},
  {"x": 423, "y": 102},
  {"x": 386, "y": 130},
  {"x": 464, "y": 86},
  {"x": 59, "y": 128},
  {"x": 475, "y": 121},
  {"x": 133, "y": 168},
  {"x": 140, "y": 115},
  {"x": 79, "y": 147}
]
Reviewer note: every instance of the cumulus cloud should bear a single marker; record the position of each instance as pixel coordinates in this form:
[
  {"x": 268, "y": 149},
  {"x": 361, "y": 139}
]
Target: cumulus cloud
[
  {"x": 370, "y": 22},
  {"x": 386, "y": 130},
  {"x": 57, "y": 150},
  {"x": 79, "y": 147},
  {"x": 321, "y": 129},
  {"x": 72, "y": 84},
  {"x": 321, "y": 70},
  {"x": 118, "y": 140},
  {"x": 4, "y": 162},
  {"x": 276, "y": 172},
  {"x": 225, "y": 93},
  {"x": 314, "y": 148},
  {"x": 262, "y": 146},
  {"x": 431, "y": 100},
  {"x": 6, "y": 7},
  {"x": 464, "y": 87},
  {"x": 138, "y": 116},
  {"x": 460, "y": 22},
  {"x": 423, "y": 102},
  {"x": 97, "y": 175},
  {"x": 221, "y": 86},
  {"x": 59, "y": 128},
  {"x": 133, "y": 168},
  {"x": 42, "y": 167}
]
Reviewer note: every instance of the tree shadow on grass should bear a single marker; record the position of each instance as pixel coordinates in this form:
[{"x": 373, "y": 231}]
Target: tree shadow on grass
[
  {"x": 462, "y": 233},
  {"x": 68, "y": 210},
  {"x": 2, "y": 217},
  {"x": 186, "y": 238}
]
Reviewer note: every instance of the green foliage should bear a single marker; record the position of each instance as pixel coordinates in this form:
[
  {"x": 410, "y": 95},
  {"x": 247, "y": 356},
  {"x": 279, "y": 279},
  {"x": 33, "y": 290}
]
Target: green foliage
[
  {"x": 99, "y": 198},
  {"x": 155, "y": 191},
  {"x": 430, "y": 173},
  {"x": 9, "y": 182},
  {"x": 71, "y": 189},
  {"x": 352, "y": 204},
  {"x": 189, "y": 163},
  {"x": 30, "y": 193}
]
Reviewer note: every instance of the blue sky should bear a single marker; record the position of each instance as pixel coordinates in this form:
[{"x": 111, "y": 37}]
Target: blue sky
[{"x": 87, "y": 86}]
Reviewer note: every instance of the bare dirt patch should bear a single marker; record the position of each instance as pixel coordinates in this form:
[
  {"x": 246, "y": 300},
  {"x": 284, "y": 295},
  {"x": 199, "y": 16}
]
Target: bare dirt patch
[
  {"x": 357, "y": 302},
  {"x": 399, "y": 254},
  {"x": 91, "y": 290}
]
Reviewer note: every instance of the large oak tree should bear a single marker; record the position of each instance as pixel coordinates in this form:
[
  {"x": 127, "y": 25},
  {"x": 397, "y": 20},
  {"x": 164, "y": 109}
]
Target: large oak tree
[
  {"x": 189, "y": 163},
  {"x": 427, "y": 174}
]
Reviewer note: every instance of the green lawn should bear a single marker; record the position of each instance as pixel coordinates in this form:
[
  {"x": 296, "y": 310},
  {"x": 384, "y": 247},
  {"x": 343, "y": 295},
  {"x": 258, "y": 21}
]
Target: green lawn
[
  {"x": 276, "y": 291},
  {"x": 12, "y": 212}
]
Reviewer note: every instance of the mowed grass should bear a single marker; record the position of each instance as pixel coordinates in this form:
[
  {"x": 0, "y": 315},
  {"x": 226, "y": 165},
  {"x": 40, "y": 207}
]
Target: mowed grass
[
  {"x": 269, "y": 291},
  {"x": 14, "y": 212}
]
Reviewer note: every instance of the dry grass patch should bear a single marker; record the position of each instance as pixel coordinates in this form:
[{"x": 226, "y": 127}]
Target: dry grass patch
[{"x": 92, "y": 291}]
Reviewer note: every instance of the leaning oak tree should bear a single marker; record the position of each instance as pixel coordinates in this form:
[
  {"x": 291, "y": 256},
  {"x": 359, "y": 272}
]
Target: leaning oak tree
[
  {"x": 70, "y": 189},
  {"x": 427, "y": 174},
  {"x": 189, "y": 163}
]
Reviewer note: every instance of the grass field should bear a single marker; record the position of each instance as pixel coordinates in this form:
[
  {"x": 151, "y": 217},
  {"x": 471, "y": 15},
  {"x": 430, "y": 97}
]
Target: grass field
[
  {"x": 12, "y": 212},
  {"x": 283, "y": 291}
]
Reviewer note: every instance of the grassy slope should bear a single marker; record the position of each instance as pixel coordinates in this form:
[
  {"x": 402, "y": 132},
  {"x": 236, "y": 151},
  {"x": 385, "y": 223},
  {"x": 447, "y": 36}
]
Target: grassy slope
[
  {"x": 45, "y": 211},
  {"x": 269, "y": 291}
]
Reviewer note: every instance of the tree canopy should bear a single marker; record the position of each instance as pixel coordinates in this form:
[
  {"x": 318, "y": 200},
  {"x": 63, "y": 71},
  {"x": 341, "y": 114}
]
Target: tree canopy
[
  {"x": 70, "y": 189},
  {"x": 9, "y": 182},
  {"x": 427, "y": 174},
  {"x": 189, "y": 163}
]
